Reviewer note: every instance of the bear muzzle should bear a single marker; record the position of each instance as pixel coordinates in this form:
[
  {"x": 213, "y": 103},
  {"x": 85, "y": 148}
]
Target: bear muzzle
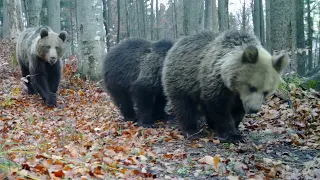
[
  {"x": 52, "y": 60},
  {"x": 253, "y": 111},
  {"x": 252, "y": 108}
]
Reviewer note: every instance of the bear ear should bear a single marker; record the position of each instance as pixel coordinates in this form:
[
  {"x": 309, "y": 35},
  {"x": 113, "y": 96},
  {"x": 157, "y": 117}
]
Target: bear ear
[
  {"x": 280, "y": 62},
  {"x": 250, "y": 54},
  {"x": 63, "y": 35},
  {"x": 44, "y": 33}
]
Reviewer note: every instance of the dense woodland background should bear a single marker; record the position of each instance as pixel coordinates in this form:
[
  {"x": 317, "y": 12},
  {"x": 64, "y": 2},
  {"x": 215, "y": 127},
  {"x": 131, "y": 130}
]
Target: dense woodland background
[
  {"x": 85, "y": 136},
  {"x": 94, "y": 26}
]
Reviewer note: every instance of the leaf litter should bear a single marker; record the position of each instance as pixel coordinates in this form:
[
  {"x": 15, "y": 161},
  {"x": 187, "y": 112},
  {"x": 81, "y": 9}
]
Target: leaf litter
[{"x": 86, "y": 138}]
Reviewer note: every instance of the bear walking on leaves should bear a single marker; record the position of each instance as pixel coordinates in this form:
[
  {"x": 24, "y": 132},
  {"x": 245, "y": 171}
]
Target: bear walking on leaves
[
  {"x": 38, "y": 52},
  {"x": 226, "y": 75},
  {"x": 132, "y": 76}
]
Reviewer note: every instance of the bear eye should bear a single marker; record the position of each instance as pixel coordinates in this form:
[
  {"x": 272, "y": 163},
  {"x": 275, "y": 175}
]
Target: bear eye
[
  {"x": 48, "y": 47},
  {"x": 265, "y": 93},
  {"x": 252, "y": 89},
  {"x": 57, "y": 47}
]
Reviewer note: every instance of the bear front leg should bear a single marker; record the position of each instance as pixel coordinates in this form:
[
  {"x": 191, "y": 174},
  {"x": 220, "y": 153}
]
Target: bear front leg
[
  {"x": 123, "y": 101},
  {"x": 158, "y": 108},
  {"x": 144, "y": 99},
  {"x": 185, "y": 110},
  {"x": 237, "y": 111},
  {"x": 39, "y": 81},
  {"x": 54, "y": 76},
  {"x": 220, "y": 119},
  {"x": 25, "y": 72},
  {"x": 238, "y": 115}
]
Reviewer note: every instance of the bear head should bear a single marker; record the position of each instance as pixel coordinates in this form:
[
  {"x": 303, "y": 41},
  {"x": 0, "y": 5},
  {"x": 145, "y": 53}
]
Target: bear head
[
  {"x": 51, "y": 46},
  {"x": 257, "y": 76}
]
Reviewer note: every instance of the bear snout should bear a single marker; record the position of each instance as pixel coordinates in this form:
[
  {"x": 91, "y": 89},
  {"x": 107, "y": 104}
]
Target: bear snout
[
  {"x": 52, "y": 60},
  {"x": 253, "y": 110}
]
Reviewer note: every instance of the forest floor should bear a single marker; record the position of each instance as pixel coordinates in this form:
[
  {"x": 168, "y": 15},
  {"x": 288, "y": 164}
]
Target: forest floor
[{"x": 85, "y": 137}]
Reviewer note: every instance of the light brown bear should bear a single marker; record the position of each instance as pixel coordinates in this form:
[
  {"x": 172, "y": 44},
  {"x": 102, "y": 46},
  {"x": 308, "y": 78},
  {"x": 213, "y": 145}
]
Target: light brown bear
[
  {"x": 227, "y": 75},
  {"x": 38, "y": 52}
]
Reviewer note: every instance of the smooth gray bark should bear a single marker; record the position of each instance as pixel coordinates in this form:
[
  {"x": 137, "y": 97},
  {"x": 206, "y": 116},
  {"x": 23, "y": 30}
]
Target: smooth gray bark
[
  {"x": 12, "y": 19},
  {"x": 152, "y": 22},
  {"x": 54, "y": 20},
  {"x": 223, "y": 15},
  {"x": 299, "y": 9},
  {"x": 34, "y": 9},
  {"x": 268, "y": 26},
  {"x": 258, "y": 20},
  {"x": 208, "y": 15},
  {"x": 91, "y": 38},
  {"x": 215, "y": 16}
]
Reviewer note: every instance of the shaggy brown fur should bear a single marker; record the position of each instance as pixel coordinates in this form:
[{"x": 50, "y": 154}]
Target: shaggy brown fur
[{"x": 38, "y": 52}]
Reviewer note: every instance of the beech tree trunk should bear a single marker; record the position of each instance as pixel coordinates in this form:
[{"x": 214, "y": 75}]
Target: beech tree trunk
[
  {"x": 34, "y": 9},
  {"x": 223, "y": 15},
  {"x": 91, "y": 38},
  {"x": 54, "y": 15},
  {"x": 12, "y": 19},
  {"x": 208, "y": 15},
  {"x": 215, "y": 16}
]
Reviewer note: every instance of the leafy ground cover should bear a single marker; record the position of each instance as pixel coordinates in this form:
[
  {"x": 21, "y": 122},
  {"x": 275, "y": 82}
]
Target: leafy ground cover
[{"x": 85, "y": 137}]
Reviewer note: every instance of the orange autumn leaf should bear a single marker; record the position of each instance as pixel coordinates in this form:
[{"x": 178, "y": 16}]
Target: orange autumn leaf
[{"x": 59, "y": 173}]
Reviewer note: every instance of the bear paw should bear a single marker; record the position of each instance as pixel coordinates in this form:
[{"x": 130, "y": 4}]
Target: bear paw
[
  {"x": 164, "y": 117},
  {"x": 147, "y": 125},
  {"x": 127, "y": 118},
  {"x": 51, "y": 101},
  {"x": 231, "y": 138},
  {"x": 31, "y": 92}
]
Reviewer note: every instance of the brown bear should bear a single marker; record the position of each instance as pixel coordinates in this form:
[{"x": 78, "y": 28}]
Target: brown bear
[
  {"x": 132, "y": 76},
  {"x": 227, "y": 75},
  {"x": 38, "y": 52}
]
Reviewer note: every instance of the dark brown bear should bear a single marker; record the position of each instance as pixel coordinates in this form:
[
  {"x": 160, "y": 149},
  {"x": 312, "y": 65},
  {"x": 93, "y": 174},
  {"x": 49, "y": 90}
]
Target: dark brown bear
[{"x": 132, "y": 75}]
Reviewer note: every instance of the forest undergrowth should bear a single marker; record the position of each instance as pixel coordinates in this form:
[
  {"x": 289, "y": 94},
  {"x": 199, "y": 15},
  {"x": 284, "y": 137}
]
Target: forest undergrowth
[{"x": 85, "y": 137}]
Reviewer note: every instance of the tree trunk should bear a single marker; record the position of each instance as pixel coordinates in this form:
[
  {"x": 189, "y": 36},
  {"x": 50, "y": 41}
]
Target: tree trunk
[
  {"x": 157, "y": 19},
  {"x": 119, "y": 21},
  {"x": 268, "y": 26},
  {"x": 208, "y": 15},
  {"x": 34, "y": 10},
  {"x": 152, "y": 22},
  {"x": 127, "y": 19},
  {"x": 215, "y": 17},
  {"x": 258, "y": 23},
  {"x": 299, "y": 6},
  {"x": 138, "y": 19},
  {"x": 223, "y": 14},
  {"x": 282, "y": 22},
  {"x": 244, "y": 19},
  {"x": 91, "y": 39},
  {"x": 309, "y": 41},
  {"x": 142, "y": 17},
  {"x": 256, "y": 18},
  {"x": 12, "y": 19},
  {"x": 319, "y": 33},
  {"x": 54, "y": 15},
  {"x": 262, "y": 33},
  {"x": 186, "y": 18},
  {"x": 175, "y": 18},
  {"x": 110, "y": 23},
  {"x": 105, "y": 21}
]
